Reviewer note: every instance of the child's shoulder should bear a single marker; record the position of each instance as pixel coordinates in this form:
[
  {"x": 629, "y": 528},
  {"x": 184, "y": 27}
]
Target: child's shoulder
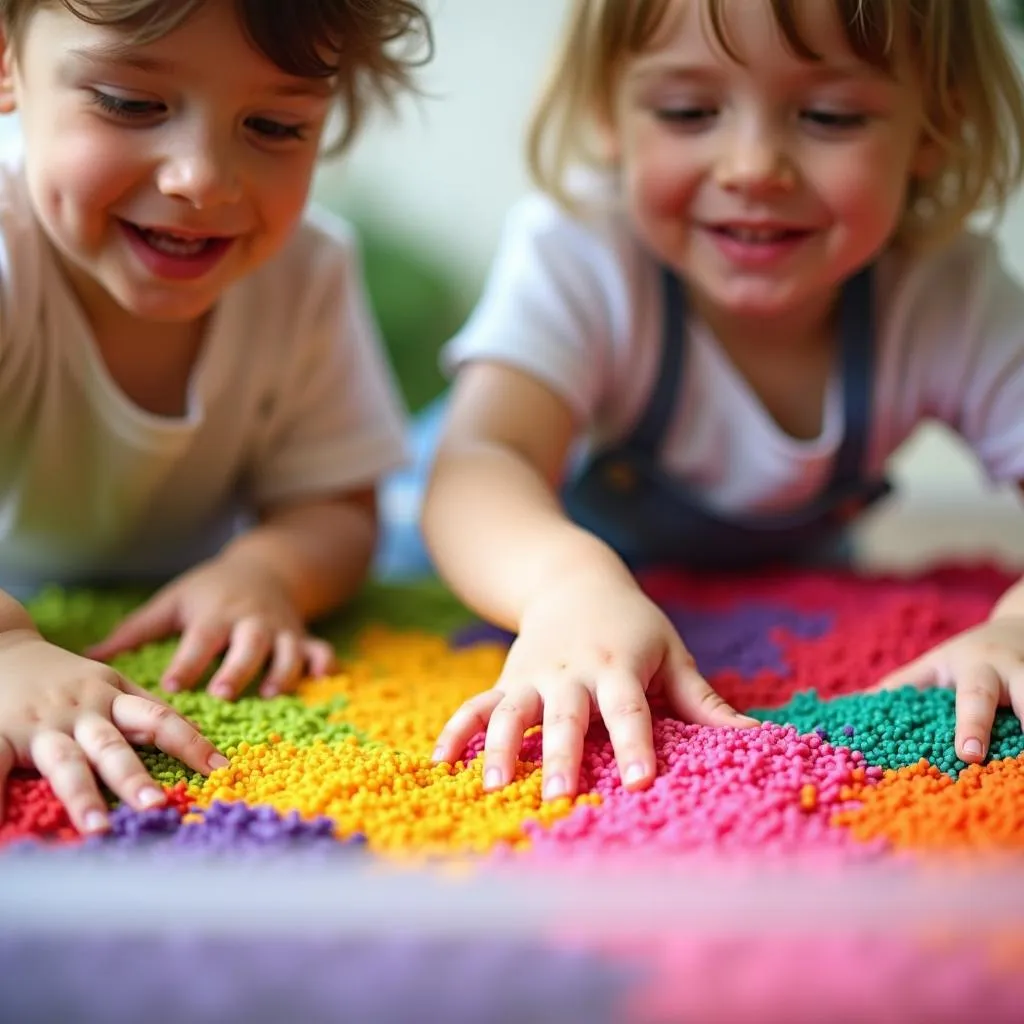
[
  {"x": 946, "y": 273},
  {"x": 959, "y": 297},
  {"x": 583, "y": 236},
  {"x": 315, "y": 266},
  {"x": 589, "y": 213},
  {"x": 322, "y": 242}
]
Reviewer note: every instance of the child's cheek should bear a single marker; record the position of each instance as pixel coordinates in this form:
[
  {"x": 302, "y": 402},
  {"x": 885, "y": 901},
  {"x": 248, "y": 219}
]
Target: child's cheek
[
  {"x": 661, "y": 180},
  {"x": 96, "y": 173},
  {"x": 865, "y": 190},
  {"x": 78, "y": 184}
]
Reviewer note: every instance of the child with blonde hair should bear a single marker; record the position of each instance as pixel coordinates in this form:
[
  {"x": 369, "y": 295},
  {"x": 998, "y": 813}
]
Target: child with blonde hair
[
  {"x": 746, "y": 278},
  {"x": 191, "y": 383}
]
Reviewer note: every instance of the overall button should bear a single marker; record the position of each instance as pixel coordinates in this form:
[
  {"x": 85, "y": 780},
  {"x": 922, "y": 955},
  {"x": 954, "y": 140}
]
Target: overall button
[{"x": 620, "y": 476}]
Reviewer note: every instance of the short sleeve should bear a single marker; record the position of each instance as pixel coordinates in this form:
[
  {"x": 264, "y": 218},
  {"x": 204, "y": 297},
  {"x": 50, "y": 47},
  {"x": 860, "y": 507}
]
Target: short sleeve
[
  {"x": 337, "y": 423},
  {"x": 549, "y": 306}
]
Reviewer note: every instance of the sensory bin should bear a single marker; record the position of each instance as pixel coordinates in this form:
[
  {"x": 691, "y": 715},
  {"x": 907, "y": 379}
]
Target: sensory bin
[{"x": 836, "y": 782}]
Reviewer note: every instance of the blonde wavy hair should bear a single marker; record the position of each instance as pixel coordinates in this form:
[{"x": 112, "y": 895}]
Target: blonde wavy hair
[
  {"x": 369, "y": 49},
  {"x": 974, "y": 99}
]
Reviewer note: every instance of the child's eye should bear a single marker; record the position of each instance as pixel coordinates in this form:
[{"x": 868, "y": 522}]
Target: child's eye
[
  {"x": 276, "y": 131},
  {"x": 687, "y": 117},
  {"x": 834, "y": 119},
  {"x": 126, "y": 108}
]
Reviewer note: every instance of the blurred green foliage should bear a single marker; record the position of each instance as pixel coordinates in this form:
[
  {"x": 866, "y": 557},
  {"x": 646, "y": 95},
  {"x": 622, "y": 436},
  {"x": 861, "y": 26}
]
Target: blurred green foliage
[{"x": 418, "y": 304}]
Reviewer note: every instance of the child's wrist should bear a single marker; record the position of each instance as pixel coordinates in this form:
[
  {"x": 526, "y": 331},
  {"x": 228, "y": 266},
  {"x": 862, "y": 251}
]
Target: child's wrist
[
  {"x": 14, "y": 618},
  {"x": 583, "y": 555},
  {"x": 1011, "y": 604}
]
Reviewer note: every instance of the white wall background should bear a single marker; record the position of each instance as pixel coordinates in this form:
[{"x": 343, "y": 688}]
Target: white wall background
[
  {"x": 450, "y": 164},
  {"x": 447, "y": 167}
]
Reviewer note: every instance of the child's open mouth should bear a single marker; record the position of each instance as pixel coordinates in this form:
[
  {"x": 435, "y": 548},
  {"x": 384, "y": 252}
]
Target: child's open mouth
[
  {"x": 758, "y": 245},
  {"x": 761, "y": 236},
  {"x": 170, "y": 255},
  {"x": 175, "y": 245}
]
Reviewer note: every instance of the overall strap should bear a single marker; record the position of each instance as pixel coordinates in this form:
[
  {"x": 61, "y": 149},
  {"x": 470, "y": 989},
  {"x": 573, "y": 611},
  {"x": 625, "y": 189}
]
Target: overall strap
[
  {"x": 857, "y": 360},
  {"x": 650, "y": 430}
]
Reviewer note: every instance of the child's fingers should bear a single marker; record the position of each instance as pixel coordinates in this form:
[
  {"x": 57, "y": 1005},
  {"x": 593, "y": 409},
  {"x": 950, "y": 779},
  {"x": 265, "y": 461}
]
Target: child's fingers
[
  {"x": 286, "y": 665},
  {"x": 977, "y": 697},
  {"x": 199, "y": 645},
  {"x": 321, "y": 657},
  {"x": 693, "y": 698},
  {"x": 8, "y": 759},
  {"x": 153, "y": 621},
  {"x": 470, "y": 719},
  {"x": 919, "y": 672},
  {"x": 63, "y": 764},
  {"x": 622, "y": 701},
  {"x": 156, "y": 724},
  {"x": 566, "y": 720},
  {"x": 251, "y": 643},
  {"x": 1015, "y": 690},
  {"x": 127, "y": 686},
  {"x": 514, "y": 714},
  {"x": 117, "y": 764}
]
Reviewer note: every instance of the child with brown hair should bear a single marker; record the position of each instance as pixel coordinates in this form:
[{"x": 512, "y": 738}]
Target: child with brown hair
[{"x": 191, "y": 384}]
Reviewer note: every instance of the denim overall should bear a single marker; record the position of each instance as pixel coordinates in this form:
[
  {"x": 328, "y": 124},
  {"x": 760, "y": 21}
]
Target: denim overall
[{"x": 623, "y": 495}]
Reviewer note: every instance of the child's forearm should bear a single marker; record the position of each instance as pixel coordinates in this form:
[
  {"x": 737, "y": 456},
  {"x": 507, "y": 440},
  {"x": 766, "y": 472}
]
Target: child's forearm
[
  {"x": 499, "y": 536},
  {"x": 319, "y": 550}
]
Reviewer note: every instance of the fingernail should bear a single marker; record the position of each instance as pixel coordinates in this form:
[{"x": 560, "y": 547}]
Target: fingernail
[
  {"x": 96, "y": 821},
  {"x": 218, "y": 761},
  {"x": 219, "y": 691},
  {"x": 268, "y": 693},
  {"x": 555, "y": 787},
  {"x": 151, "y": 796},
  {"x": 492, "y": 778},
  {"x": 973, "y": 747},
  {"x": 172, "y": 685},
  {"x": 438, "y": 754},
  {"x": 634, "y": 773}
]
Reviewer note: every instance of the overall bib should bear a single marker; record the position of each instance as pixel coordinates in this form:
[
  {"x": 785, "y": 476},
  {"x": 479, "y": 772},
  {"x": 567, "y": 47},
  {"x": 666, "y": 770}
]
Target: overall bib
[{"x": 624, "y": 496}]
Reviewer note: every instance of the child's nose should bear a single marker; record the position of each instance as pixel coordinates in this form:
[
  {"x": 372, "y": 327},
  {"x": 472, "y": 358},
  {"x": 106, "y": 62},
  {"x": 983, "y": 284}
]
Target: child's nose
[
  {"x": 201, "y": 172},
  {"x": 755, "y": 160}
]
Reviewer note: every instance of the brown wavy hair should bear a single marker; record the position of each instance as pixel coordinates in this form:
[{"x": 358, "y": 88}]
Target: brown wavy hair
[
  {"x": 974, "y": 99},
  {"x": 370, "y": 48}
]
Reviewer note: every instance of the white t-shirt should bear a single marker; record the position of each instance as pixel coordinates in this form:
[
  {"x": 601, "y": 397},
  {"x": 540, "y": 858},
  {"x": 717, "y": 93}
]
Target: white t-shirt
[
  {"x": 576, "y": 303},
  {"x": 291, "y": 397}
]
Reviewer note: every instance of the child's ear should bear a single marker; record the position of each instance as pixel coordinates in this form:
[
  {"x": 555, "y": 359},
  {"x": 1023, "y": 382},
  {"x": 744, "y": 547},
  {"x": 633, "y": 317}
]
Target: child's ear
[
  {"x": 8, "y": 103},
  {"x": 947, "y": 122},
  {"x": 927, "y": 161}
]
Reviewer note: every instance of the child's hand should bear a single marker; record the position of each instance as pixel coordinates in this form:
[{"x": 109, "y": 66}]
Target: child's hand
[
  {"x": 986, "y": 667},
  {"x": 68, "y": 716},
  {"x": 587, "y": 644},
  {"x": 233, "y": 604}
]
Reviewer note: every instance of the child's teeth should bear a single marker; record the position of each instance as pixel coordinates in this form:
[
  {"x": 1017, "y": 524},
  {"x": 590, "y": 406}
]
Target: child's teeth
[
  {"x": 173, "y": 245},
  {"x": 758, "y": 234}
]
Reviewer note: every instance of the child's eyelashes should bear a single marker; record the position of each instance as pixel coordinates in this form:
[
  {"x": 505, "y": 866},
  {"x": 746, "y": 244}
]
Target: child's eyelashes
[
  {"x": 128, "y": 109},
  {"x": 276, "y": 131},
  {"x": 702, "y": 117},
  {"x": 692, "y": 117},
  {"x": 145, "y": 112},
  {"x": 835, "y": 120}
]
